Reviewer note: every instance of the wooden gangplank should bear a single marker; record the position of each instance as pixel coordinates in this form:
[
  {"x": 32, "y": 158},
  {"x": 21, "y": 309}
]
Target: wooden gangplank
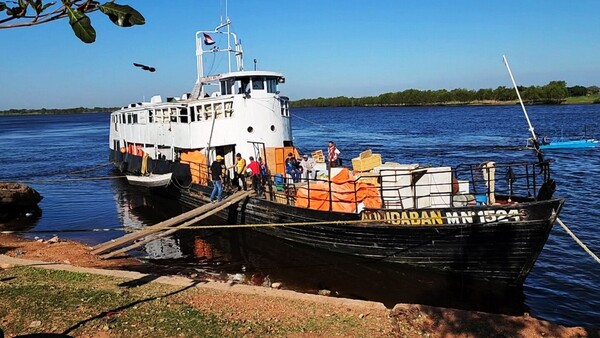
[{"x": 176, "y": 223}]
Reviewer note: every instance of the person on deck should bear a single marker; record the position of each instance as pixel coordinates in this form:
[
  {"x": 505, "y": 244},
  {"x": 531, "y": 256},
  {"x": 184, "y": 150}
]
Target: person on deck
[
  {"x": 292, "y": 167},
  {"x": 255, "y": 176},
  {"x": 263, "y": 171},
  {"x": 216, "y": 172},
  {"x": 333, "y": 155},
  {"x": 308, "y": 165},
  {"x": 239, "y": 172}
]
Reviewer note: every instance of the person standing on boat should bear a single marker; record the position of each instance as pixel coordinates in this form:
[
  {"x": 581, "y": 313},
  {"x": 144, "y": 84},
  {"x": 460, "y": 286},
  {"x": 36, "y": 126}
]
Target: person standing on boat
[
  {"x": 308, "y": 165},
  {"x": 239, "y": 172},
  {"x": 263, "y": 170},
  {"x": 255, "y": 175},
  {"x": 333, "y": 155},
  {"x": 216, "y": 171}
]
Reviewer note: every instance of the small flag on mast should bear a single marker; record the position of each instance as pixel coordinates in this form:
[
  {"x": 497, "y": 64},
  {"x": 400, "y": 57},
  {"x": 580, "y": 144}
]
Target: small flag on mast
[{"x": 208, "y": 40}]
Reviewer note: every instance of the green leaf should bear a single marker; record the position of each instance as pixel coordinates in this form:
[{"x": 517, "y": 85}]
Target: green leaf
[
  {"x": 17, "y": 12},
  {"x": 122, "y": 15},
  {"x": 48, "y": 5},
  {"x": 82, "y": 26}
]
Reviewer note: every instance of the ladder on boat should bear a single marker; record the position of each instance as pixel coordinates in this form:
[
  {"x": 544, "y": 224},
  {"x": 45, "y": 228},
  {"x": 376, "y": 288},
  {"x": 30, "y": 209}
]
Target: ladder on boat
[{"x": 117, "y": 246}]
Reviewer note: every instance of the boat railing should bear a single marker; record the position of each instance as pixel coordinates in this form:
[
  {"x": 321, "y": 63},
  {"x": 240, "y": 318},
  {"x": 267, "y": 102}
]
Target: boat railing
[{"x": 418, "y": 187}]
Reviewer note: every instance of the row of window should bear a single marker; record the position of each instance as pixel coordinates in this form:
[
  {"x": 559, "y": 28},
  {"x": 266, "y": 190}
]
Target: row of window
[
  {"x": 177, "y": 114},
  {"x": 246, "y": 85}
]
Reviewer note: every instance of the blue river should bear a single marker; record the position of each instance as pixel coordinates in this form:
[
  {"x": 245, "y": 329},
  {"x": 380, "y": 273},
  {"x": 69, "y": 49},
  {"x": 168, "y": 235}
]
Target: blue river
[{"x": 65, "y": 158}]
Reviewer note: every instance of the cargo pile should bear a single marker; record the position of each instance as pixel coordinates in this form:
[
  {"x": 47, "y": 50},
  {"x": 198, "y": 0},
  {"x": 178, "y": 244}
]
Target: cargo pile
[
  {"x": 318, "y": 156},
  {"x": 366, "y": 161}
]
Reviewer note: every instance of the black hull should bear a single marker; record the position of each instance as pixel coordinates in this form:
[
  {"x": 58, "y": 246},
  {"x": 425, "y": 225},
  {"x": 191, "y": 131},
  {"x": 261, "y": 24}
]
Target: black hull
[
  {"x": 498, "y": 243},
  {"x": 499, "y": 251}
]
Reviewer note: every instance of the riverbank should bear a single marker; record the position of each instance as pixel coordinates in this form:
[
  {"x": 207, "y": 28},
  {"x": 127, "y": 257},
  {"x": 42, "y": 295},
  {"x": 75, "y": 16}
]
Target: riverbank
[{"x": 79, "y": 299}]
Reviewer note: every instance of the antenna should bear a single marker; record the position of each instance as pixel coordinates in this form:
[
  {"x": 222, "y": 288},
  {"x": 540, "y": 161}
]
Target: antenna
[{"x": 254, "y": 64}]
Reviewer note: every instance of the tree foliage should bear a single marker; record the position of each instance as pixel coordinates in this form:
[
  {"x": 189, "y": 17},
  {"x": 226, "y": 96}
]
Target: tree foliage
[
  {"x": 22, "y": 13},
  {"x": 44, "y": 111},
  {"x": 554, "y": 92}
]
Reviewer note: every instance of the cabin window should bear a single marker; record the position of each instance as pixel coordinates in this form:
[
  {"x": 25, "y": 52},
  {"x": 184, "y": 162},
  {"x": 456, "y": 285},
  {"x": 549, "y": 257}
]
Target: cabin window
[
  {"x": 226, "y": 86},
  {"x": 272, "y": 127},
  {"x": 258, "y": 83},
  {"x": 135, "y": 118},
  {"x": 183, "y": 115},
  {"x": 173, "y": 114},
  {"x": 250, "y": 129},
  {"x": 272, "y": 86},
  {"x": 150, "y": 116},
  {"x": 245, "y": 86},
  {"x": 129, "y": 118}
]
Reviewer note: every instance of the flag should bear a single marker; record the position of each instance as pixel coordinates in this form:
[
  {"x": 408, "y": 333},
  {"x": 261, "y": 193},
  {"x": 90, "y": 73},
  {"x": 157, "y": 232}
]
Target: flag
[{"x": 208, "y": 40}]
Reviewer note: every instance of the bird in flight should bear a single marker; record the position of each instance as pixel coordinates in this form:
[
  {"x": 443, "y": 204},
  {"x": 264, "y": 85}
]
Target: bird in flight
[{"x": 144, "y": 67}]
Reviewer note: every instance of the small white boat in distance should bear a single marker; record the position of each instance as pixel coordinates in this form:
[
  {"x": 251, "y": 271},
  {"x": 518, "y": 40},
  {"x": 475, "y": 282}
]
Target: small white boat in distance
[{"x": 152, "y": 180}]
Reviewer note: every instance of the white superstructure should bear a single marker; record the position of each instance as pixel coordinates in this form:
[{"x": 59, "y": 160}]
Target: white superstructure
[{"x": 227, "y": 112}]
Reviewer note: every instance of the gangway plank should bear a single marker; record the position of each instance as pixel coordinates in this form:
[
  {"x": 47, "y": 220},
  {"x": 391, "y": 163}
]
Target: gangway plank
[{"x": 178, "y": 222}]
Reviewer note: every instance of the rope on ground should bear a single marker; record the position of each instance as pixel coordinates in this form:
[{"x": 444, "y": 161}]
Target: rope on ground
[{"x": 578, "y": 241}]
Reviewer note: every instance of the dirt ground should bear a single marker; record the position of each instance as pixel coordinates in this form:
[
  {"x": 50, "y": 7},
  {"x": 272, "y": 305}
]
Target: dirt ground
[{"x": 404, "y": 320}]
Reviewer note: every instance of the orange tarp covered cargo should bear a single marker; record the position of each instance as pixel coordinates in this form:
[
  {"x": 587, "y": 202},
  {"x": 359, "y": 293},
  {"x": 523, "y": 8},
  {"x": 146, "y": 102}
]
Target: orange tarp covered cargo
[
  {"x": 345, "y": 194},
  {"x": 198, "y": 166}
]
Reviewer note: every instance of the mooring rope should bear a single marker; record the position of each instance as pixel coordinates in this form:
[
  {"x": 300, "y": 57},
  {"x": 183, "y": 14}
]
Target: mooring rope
[
  {"x": 234, "y": 226},
  {"x": 98, "y": 178},
  {"x": 577, "y": 240},
  {"x": 88, "y": 169}
]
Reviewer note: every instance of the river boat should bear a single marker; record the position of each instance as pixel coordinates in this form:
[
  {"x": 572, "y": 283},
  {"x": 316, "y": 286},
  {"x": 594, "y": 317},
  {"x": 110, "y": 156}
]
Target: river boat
[
  {"x": 549, "y": 144},
  {"x": 150, "y": 180},
  {"x": 485, "y": 221}
]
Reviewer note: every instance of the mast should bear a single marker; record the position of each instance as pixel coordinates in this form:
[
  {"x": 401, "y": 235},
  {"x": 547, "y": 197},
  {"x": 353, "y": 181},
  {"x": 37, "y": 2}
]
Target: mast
[
  {"x": 236, "y": 49},
  {"x": 533, "y": 136}
]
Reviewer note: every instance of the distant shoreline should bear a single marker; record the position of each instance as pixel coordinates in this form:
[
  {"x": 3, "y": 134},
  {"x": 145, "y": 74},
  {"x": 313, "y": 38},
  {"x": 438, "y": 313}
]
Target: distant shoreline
[
  {"x": 65, "y": 111},
  {"x": 82, "y": 110}
]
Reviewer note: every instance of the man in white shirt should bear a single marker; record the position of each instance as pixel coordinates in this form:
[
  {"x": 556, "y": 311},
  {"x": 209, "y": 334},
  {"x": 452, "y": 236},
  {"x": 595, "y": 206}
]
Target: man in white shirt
[{"x": 308, "y": 165}]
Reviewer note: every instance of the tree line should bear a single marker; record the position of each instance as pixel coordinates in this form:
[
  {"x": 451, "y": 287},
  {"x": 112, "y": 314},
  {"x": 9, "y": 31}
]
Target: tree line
[
  {"x": 44, "y": 111},
  {"x": 555, "y": 92}
]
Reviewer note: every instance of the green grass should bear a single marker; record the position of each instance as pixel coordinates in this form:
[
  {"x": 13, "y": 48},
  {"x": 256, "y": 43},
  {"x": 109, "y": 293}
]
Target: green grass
[
  {"x": 583, "y": 99},
  {"x": 82, "y": 304},
  {"x": 89, "y": 303}
]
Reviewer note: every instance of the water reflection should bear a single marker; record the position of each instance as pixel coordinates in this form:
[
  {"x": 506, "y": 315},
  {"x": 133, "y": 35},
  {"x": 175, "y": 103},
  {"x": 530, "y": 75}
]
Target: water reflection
[{"x": 256, "y": 257}]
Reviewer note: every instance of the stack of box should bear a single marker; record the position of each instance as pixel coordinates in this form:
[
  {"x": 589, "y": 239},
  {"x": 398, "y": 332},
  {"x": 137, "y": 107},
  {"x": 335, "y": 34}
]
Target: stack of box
[
  {"x": 366, "y": 161},
  {"x": 318, "y": 156}
]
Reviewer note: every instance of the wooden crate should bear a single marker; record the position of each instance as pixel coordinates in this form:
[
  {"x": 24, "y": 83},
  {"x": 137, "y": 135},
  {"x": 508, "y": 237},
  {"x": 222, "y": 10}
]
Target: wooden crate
[
  {"x": 366, "y": 164},
  {"x": 371, "y": 178},
  {"x": 318, "y": 156},
  {"x": 366, "y": 153}
]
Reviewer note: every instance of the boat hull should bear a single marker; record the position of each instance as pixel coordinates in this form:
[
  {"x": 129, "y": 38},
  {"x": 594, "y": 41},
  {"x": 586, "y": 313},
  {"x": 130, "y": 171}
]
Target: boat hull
[
  {"x": 579, "y": 144},
  {"x": 476, "y": 242},
  {"x": 152, "y": 180}
]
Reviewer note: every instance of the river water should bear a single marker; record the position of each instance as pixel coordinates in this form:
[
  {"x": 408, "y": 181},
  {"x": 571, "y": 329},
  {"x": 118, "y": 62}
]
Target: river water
[{"x": 563, "y": 287}]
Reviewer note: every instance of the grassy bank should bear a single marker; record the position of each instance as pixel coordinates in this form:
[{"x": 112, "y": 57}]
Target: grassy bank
[
  {"x": 82, "y": 305},
  {"x": 583, "y": 99}
]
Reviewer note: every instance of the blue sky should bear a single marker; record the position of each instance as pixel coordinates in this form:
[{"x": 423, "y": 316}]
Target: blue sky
[{"x": 324, "y": 48}]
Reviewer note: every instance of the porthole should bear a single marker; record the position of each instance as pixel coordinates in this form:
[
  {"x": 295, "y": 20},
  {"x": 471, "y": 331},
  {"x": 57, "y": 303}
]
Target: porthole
[
  {"x": 272, "y": 128},
  {"x": 250, "y": 129}
]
